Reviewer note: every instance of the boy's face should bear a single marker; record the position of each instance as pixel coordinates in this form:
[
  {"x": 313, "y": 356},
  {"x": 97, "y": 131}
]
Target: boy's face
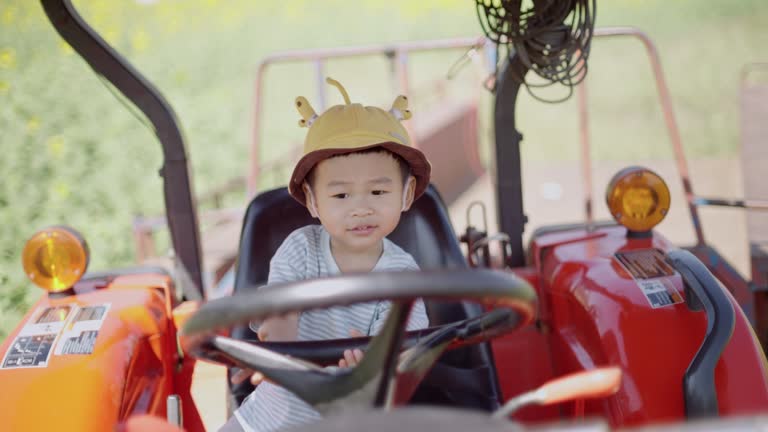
[{"x": 359, "y": 198}]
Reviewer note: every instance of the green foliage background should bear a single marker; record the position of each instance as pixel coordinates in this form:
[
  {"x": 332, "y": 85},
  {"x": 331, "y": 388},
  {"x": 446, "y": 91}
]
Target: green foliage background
[{"x": 72, "y": 155}]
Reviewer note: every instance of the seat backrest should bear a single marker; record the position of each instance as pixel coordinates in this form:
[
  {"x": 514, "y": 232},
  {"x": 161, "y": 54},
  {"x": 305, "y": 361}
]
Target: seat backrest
[{"x": 424, "y": 231}]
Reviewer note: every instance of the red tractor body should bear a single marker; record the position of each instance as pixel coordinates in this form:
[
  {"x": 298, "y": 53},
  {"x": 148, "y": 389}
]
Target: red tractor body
[
  {"x": 94, "y": 355},
  {"x": 594, "y": 312}
]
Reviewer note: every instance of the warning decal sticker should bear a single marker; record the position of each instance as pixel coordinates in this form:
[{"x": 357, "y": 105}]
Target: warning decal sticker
[
  {"x": 79, "y": 336},
  {"x": 33, "y": 345},
  {"x": 649, "y": 268},
  {"x": 660, "y": 292},
  {"x": 82, "y": 344}
]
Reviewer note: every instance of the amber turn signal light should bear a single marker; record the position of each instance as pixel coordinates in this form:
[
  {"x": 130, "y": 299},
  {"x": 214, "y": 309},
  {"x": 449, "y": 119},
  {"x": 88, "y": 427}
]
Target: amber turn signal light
[
  {"x": 637, "y": 198},
  {"x": 55, "y": 258}
]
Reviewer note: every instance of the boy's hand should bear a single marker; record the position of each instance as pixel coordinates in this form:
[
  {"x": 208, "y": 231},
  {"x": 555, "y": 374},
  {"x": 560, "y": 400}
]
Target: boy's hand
[
  {"x": 243, "y": 374},
  {"x": 352, "y": 357},
  {"x": 273, "y": 329},
  {"x": 284, "y": 328}
]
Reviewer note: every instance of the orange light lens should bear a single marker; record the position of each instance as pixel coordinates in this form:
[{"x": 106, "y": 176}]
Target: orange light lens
[
  {"x": 55, "y": 258},
  {"x": 637, "y": 198}
]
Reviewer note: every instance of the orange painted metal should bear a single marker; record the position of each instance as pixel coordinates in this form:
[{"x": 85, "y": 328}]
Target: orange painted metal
[
  {"x": 183, "y": 312},
  {"x": 146, "y": 423},
  {"x": 131, "y": 371},
  {"x": 595, "y": 383}
]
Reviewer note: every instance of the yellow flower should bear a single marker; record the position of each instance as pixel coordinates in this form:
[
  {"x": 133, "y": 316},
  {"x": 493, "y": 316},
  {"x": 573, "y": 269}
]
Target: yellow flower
[
  {"x": 180, "y": 76},
  {"x": 65, "y": 48},
  {"x": 111, "y": 36},
  {"x": 56, "y": 145},
  {"x": 8, "y": 15},
  {"x": 168, "y": 16},
  {"x": 7, "y": 58},
  {"x": 33, "y": 125},
  {"x": 294, "y": 11},
  {"x": 140, "y": 41},
  {"x": 62, "y": 190},
  {"x": 173, "y": 25}
]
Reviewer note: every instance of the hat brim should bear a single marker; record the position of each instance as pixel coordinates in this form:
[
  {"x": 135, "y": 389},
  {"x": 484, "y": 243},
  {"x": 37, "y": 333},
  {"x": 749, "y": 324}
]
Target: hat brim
[{"x": 420, "y": 167}]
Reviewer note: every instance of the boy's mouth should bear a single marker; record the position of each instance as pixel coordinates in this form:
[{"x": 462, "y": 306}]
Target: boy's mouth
[{"x": 363, "y": 230}]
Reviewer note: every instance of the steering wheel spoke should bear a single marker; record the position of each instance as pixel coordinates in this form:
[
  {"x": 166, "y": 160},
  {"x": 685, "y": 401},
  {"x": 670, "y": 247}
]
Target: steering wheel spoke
[
  {"x": 255, "y": 357},
  {"x": 417, "y": 361},
  {"x": 321, "y": 387}
]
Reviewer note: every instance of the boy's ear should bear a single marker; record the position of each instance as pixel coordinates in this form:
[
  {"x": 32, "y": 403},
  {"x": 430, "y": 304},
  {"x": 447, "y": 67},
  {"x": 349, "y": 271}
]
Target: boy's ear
[
  {"x": 409, "y": 193},
  {"x": 309, "y": 200}
]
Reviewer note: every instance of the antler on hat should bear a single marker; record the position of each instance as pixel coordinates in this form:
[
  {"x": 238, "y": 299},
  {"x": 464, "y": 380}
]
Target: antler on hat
[
  {"x": 308, "y": 113},
  {"x": 400, "y": 108}
]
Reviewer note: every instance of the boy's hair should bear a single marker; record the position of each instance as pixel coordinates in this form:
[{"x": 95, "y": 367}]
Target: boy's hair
[{"x": 405, "y": 168}]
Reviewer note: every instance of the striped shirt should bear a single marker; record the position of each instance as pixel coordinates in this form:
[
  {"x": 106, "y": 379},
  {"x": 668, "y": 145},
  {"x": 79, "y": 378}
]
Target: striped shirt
[{"x": 306, "y": 254}]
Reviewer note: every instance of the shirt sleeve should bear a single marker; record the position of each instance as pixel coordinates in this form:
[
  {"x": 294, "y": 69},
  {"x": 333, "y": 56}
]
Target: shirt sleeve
[
  {"x": 287, "y": 265},
  {"x": 418, "y": 318}
]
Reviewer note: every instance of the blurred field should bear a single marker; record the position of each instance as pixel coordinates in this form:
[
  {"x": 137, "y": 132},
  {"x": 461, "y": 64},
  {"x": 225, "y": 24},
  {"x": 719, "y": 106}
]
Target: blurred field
[{"x": 73, "y": 155}]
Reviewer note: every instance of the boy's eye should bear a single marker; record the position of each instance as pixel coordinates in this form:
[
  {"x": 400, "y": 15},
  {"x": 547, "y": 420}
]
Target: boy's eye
[
  {"x": 379, "y": 192},
  {"x": 340, "y": 195}
]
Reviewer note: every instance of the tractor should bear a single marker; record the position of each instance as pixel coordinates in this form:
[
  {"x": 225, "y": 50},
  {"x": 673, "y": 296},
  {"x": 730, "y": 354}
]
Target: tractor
[{"x": 599, "y": 325}]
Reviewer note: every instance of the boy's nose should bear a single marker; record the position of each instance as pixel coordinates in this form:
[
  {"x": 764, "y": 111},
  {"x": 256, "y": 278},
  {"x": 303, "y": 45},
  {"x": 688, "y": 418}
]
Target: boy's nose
[{"x": 361, "y": 211}]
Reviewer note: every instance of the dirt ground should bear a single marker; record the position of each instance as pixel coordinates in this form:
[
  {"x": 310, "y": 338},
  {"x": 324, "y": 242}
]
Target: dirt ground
[{"x": 553, "y": 194}]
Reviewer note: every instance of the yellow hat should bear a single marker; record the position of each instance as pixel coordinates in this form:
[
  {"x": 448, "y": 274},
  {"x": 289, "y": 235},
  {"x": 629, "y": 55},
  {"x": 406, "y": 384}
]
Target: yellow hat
[{"x": 353, "y": 127}]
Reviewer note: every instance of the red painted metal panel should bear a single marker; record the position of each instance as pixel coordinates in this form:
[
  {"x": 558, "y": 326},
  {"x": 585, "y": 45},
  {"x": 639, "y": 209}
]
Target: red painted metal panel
[
  {"x": 593, "y": 313},
  {"x": 523, "y": 362}
]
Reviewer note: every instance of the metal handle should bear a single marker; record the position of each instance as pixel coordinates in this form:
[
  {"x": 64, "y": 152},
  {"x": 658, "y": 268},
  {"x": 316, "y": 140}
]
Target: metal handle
[
  {"x": 173, "y": 410},
  {"x": 699, "y": 389}
]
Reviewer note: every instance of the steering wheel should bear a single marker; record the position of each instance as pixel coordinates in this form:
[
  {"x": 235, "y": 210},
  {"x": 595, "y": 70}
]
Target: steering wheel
[{"x": 384, "y": 376}]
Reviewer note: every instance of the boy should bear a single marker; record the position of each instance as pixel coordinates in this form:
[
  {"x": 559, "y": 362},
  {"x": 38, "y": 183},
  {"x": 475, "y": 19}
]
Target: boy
[{"x": 357, "y": 175}]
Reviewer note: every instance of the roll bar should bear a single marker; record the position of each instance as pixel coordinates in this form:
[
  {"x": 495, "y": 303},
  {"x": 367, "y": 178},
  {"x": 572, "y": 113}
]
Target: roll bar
[{"x": 177, "y": 187}]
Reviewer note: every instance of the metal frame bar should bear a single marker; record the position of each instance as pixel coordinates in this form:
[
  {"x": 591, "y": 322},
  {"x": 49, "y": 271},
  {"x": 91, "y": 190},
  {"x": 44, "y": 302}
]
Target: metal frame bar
[
  {"x": 509, "y": 187},
  {"x": 397, "y": 53},
  {"x": 509, "y": 197},
  {"x": 586, "y": 152},
  {"x": 669, "y": 118},
  {"x": 749, "y": 68}
]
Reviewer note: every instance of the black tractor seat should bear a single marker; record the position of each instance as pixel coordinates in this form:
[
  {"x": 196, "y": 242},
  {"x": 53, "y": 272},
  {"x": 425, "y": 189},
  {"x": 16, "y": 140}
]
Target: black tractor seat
[{"x": 464, "y": 377}]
